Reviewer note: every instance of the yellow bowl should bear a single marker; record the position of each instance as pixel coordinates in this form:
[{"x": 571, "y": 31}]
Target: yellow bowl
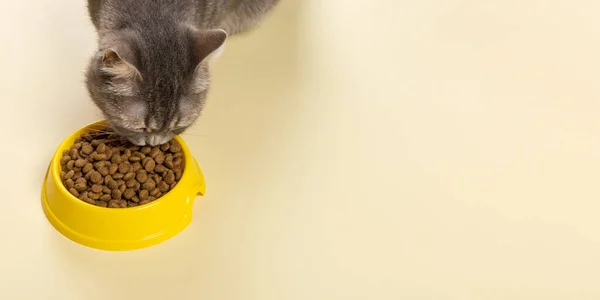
[{"x": 120, "y": 228}]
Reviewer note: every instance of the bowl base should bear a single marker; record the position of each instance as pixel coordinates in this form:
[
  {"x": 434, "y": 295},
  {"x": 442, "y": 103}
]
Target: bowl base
[{"x": 73, "y": 235}]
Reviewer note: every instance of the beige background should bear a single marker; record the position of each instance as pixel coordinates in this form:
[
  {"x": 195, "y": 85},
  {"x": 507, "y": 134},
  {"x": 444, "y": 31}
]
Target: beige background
[{"x": 433, "y": 149}]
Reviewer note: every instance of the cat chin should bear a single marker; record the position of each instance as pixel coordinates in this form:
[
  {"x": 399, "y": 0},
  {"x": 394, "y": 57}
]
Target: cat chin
[{"x": 151, "y": 140}]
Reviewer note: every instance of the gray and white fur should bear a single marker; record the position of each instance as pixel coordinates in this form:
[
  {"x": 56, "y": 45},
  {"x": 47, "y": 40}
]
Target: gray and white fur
[{"x": 150, "y": 75}]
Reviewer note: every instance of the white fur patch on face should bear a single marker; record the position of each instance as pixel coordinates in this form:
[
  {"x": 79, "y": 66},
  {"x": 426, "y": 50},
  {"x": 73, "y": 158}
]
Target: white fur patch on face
[
  {"x": 121, "y": 70},
  {"x": 121, "y": 89},
  {"x": 133, "y": 116},
  {"x": 188, "y": 113},
  {"x": 153, "y": 125},
  {"x": 201, "y": 80},
  {"x": 217, "y": 54}
]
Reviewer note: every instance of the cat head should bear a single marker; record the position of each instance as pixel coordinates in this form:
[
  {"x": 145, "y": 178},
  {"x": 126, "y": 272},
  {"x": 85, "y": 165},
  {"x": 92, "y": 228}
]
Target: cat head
[{"x": 151, "y": 86}]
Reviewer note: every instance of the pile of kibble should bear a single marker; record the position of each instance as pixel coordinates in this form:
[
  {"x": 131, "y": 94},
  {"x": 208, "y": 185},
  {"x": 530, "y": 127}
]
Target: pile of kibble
[{"x": 106, "y": 170}]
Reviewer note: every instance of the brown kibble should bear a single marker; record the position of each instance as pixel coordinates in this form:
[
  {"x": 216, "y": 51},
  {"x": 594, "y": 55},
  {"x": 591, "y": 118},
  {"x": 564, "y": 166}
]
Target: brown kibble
[
  {"x": 124, "y": 167},
  {"x": 169, "y": 163},
  {"x": 144, "y": 194},
  {"x": 130, "y": 183},
  {"x": 136, "y": 166},
  {"x": 64, "y": 160},
  {"x": 149, "y": 166},
  {"x": 134, "y": 158},
  {"x": 112, "y": 184},
  {"x": 165, "y": 147},
  {"x": 89, "y": 174},
  {"x": 96, "y": 143},
  {"x": 87, "y": 149},
  {"x": 163, "y": 187},
  {"x": 96, "y": 177},
  {"x": 129, "y": 176},
  {"x": 145, "y": 160},
  {"x": 101, "y": 157},
  {"x": 70, "y": 165},
  {"x": 128, "y": 194},
  {"x": 69, "y": 175},
  {"x": 96, "y": 188},
  {"x": 175, "y": 147},
  {"x": 118, "y": 175},
  {"x": 106, "y": 190},
  {"x": 116, "y": 158},
  {"x": 69, "y": 183},
  {"x": 159, "y": 169},
  {"x": 155, "y": 192},
  {"x": 155, "y": 151},
  {"x": 90, "y": 201},
  {"x": 116, "y": 194},
  {"x": 74, "y": 192},
  {"x": 109, "y": 152},
  {"x": 170, "y": 177},
  {"x": 141, "y": 176},
  {"x": 104, "y": 171},
  {"x": 159, "y": 159},
  {"x": 74, "y": 154},
  {"x": 114, "y": 167},
  {"x": 177, "y": 162},
  {"x": 101, "y": 148},
  {"x": 149, "y": 185},
  {"x": 88, "y": 167},
  {"x": 92, "y": 157}
]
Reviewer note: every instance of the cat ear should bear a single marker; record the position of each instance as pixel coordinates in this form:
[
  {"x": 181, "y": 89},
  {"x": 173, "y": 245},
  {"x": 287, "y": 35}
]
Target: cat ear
[
  {"x": 116, "y": 66},
  {"x": 209, "y": 44}
]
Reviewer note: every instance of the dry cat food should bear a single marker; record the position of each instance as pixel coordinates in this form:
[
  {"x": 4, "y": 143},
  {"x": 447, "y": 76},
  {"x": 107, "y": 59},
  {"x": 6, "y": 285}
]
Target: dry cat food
[{"x": 106, "y": 170}]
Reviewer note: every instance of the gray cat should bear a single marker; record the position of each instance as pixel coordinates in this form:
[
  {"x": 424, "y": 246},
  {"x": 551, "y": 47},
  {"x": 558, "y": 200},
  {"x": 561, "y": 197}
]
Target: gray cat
[{"x": 150, "y": 75}]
